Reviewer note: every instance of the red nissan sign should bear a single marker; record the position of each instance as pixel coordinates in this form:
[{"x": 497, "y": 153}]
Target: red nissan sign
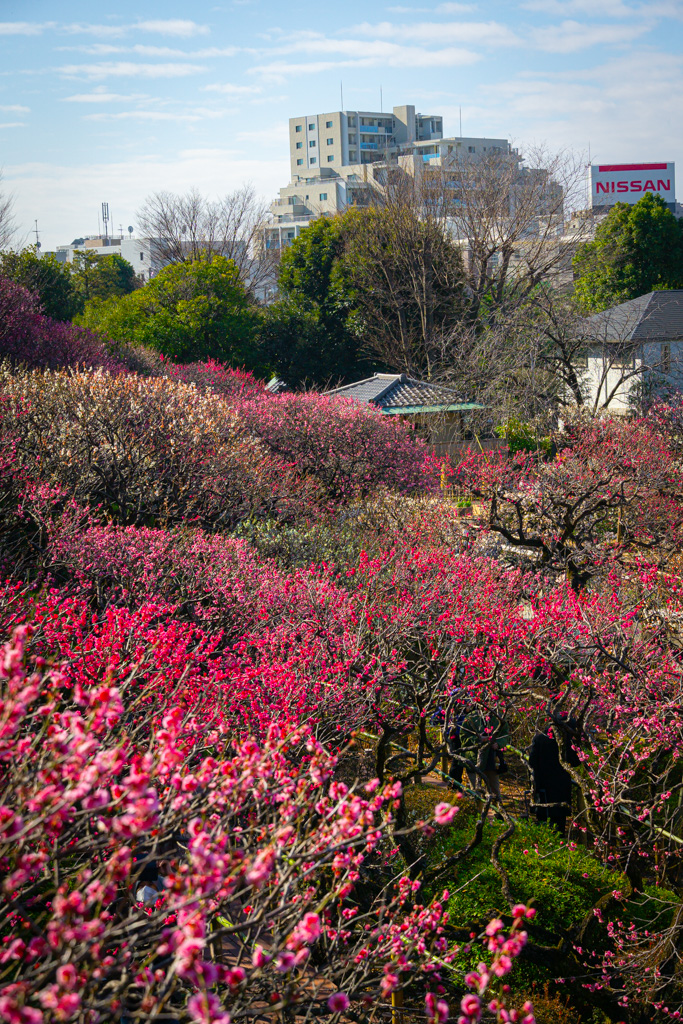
[{"x": 627, "y": 183}]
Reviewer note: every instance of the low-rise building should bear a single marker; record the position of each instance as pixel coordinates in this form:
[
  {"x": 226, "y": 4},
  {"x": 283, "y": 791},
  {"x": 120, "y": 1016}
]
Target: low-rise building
[
  {"x": 633, "y": 352},
  {"x": 437, "y": 412},
  {"x": 142, "y": 253}
]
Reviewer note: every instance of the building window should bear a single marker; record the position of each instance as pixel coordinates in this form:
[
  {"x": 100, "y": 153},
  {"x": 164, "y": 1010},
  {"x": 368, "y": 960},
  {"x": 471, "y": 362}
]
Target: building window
[
  {"x": 298, "y": 128},
  {"x": 311, "y": 127},
  {"x": 665, "y": 358},
  {"x": 311, "y": 143},
  {"x": 323, "y": 196},
  {"x": 622, "y": 358},
  {"x": 470, "y": 149},
  {"x": 330, "y": 159},
  {"x": 352, "y": 155},
  {"x": 142, "y": 255},
  {"x": 352, "y": 140},
  {"x": 299, "y": 162},
  {"x": 328, "y": 124},
  {"x": 299, "y": 145},
  {"x": 313, "y": 160},
  {"x": 330, "y": 142}
]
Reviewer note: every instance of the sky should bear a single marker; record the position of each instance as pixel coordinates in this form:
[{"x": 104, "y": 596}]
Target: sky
[{"x": 104, "y": 101}]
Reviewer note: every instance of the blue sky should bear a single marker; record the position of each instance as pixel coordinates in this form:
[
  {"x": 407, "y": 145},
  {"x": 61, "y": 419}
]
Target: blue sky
[{"x": 110, "y": 101}]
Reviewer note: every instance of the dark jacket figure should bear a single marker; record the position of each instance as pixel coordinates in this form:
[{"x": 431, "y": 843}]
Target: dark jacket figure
[
  {"x": 451, "y": 737},
  {"x": 552, "y": 782}
]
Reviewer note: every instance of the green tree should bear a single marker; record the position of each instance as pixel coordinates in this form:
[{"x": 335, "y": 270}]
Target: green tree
[
  {"x": 313, "y": 335},
  {"x": 51, "y": 281},
  {"x": 636, "y": 249},
  {"x": 100, "y": 277},
  {"x": 189, "y": 311},
  {"x": 409, "y": 282}
]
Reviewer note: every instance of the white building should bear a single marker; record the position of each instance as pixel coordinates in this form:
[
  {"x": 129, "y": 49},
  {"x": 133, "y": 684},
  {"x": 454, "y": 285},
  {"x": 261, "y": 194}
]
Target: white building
[
  {"x": 633, "y": 353},
  {"x": 141, "y": 253},
  {"x": 336, "y": 157}
]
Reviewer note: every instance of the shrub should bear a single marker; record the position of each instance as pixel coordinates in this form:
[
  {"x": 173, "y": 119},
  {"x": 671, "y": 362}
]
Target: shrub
[
  {"x": 30, "y": 339},
  {"x": 100, "y": 777},
  {"x": 144, "y": 451},
  {"x": 349, "y": 448}
]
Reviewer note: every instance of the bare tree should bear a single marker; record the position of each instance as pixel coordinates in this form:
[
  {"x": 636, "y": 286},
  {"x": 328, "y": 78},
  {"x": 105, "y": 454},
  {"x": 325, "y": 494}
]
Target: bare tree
[
  {"x": 7, "y": 221},
  {"x": 509, "y": 214},
  {"x": 544, "y": 360},
  {"x": 190, "y": 226}
]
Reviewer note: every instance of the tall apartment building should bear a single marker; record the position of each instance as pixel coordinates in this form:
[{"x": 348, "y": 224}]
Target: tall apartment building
[
  {"x": 344, "y": 138},
  {"x": 335, "y": 157}
]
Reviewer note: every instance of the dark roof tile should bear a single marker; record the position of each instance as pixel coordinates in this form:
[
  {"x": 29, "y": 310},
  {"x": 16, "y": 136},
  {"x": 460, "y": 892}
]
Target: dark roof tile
[
  {"x": 655, "y": 316},
  {"x": 398, "y": 391}
]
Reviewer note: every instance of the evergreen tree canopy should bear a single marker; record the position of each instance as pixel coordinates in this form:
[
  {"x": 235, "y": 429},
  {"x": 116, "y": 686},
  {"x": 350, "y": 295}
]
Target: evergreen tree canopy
[
  {"x": 47, "y": 278},
  {"x": 313, "y": 335},
  {"x": 100, "y": 277},
  {"x": 190, "y": 311},
  {"x": 637, "y": 249}
]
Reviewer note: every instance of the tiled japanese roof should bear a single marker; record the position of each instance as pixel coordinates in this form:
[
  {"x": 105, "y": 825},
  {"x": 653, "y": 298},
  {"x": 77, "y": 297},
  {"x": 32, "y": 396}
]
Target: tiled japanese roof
[
  {"x": 656, "y": 316},
  {"x": 391, "y": 391}
]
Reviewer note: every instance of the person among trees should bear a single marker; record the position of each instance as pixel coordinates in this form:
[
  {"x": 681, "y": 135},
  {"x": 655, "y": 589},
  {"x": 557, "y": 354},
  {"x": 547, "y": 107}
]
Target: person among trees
[
  {"x": 150, "y": 885},
  {"x": 483, "y": 736},
  {"x": 552, "y": 782}
]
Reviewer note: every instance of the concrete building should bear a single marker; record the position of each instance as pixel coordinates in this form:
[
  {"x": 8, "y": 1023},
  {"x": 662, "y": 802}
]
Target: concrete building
[
  {"x": 141, "y": 253},
  {"x": 337, "y": 157},
  {"x": 344, "y": 138}
]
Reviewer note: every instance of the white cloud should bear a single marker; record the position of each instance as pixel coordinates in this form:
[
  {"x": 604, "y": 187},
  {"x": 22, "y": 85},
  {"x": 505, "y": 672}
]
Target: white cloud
[
  {"x": 100, "y": 94},
  {"x": 198, "y": 114},
  {"x": 455, "y": 8},
  {"x": 173, "y": 27},
  {"x": 66, "y": 198},
  {"x": 14, "y": 108},
  {"x": 397, "y": 57},
  {"x": 127, "y": 69},
  {"x": 571, "y": 36},
  {"x": 627, "y": 108},
  {"x": 24, "y": 28},
  {"x": 441, "y": 9},
  {"x": 176, "y": 27},
  {"x": 13, "y": 124},
  {"x": 488, "y": 33},
  {"x": 78, "y": 28},
  {"x": 356, "y": 53},
  {"x": 604, "y": 8},
  {"x": 148, "y": 50},
  {"x": 232, "y": 90}
]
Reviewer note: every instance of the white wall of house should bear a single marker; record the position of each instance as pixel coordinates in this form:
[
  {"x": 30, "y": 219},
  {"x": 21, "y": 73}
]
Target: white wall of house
[{"x": 652, "y": 368}]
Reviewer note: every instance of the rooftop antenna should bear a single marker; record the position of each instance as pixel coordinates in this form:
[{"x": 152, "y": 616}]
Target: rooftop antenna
[
  {"x": 36, "y": 231},
  {"x": 460, "y": 110},
  {"x": 105, "y": 218},
  {"x": 381, "y": 101},
  {"x": 341, "y": 90},
  {"x": 130, "y": 230}
]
